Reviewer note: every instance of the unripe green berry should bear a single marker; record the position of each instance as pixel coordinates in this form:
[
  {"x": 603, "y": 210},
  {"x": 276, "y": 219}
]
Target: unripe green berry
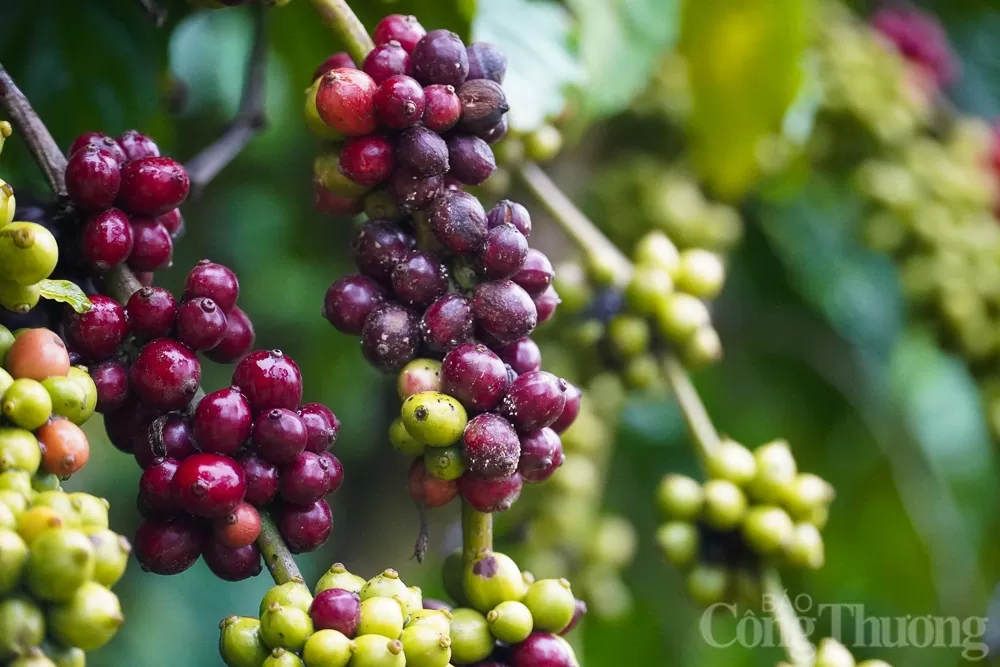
[
  {"x": 7, "y": 519},
  {"x": 543, "y": 144},
  {"x": 16, "y": 502},
  {"x": 706, "y": 584},
  {"x": 328, "y": 648},
  {"x": 379, "y": 205},
  {"x": 381, "y": 616},
  {"x": 629, "y": 335},
  {"x": 93, "y": 511},
  {"x": 34, "y": 658},
  {"x": 289, "y": 594},
  {"x": 19, "y": 298},
  {"x": 285, "y": 627},
  {"x": 510, "y": 621},
  {"x": 703, "y": 348},
  {"x": 36, "y": 521},
  {"x": 6, "y": 340},
  {"x": 649, "y": 289},
  {"x": 701, "y": 273},
  {"x": 67, "y": 657},
  {"x": 806, "y": 494},
  {"x": 680, "y": 315},
  {"x": 88, "y": 620},
  {"x": 571, "y": 284},
  {"x": 68, "y": 398},
  {"x": 384, "y": 585},
  {"x": 439, "y": 619},
  {"x": 27, "y": 404},
  {"x": 28, "y": 253},
  {"x": 679, "y": 542},
  {"x": 805, "y": 549},
  {"x": 767, "y": 529},
  {"x": 725, "y": 504},
  {"x": 551, "y": 603},
  {"x": 656, "y": 249},
  {"x": 577, "y": 476},
  {"x": 110, "y": 556},
  {"x": 18, "y": 481},
  {"x": 402, "y": 441},
  {"x": 5, "y": 381},
  {"x": 831, "y": 653},
  {"x": 62, "y": 504},
  {"x": 433, "y": 418},
  {"x": 603, "y": 268},
  {"x": 680, "y": 497},
  {"x": 60, "y": 562},
  {"x": 413, "y": 601},
  {"x": 417, "y": 376},
  {"x": 13, "y": 557},
  {"x": 326, "y": 169},
  {"x": 614, "y": 542},
  {"x": 471, "y": 640},
  {"x": 642, "y": 372},
  {"x": 281, "y": 658},
  {"x": 378, "y": 651},
  {"x": 492, "y": 578},
  {"x": 453, "y": 576},
  {"x": 425, "y": 646},
  {"x": 45, "y": 481},
  {"x": 22, "y": 626},
  {"x": 240, "y": 644},
  {"x": 338, "y": 577},
  {"x": 776, "y": 472},
  {"x": 445, "y": 462},
  {"x": 19, "y": 450},
  {"x": 82, "y": 378},
  {"x": 734, "y": 462}
]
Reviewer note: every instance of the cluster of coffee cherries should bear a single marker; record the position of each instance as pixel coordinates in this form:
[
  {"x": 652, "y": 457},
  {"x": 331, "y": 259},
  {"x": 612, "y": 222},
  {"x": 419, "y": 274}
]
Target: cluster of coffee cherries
[
  {"x": 418, "y": 118},
  {"x": 43, "y": 402},
  {"x": 831, "y": 653},
  {"x": 28, "y": 255},
  {"x": 920, "y": 38},
  {"x": 127, "y": 196},
  {"x": 755, "y": 509}
]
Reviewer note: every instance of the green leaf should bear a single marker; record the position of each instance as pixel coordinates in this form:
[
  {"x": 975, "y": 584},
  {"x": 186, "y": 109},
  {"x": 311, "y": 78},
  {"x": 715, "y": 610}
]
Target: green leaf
[
  {"x": 744, "y": 65},
  {"x": 66, "y": 291},
  {"x": 621, "y": 44},
  {"x": 540, "y": 65}
]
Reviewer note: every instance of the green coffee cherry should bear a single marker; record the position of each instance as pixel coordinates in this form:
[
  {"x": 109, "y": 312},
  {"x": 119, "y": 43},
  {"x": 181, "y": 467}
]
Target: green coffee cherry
[
  {"x": 614, "y": 542},
  {"x": 453, "y": 576},
  {"x": 326, "y": 169},
  {"x": 805, "y": 549},
  {"x": 445, "y": 462},
  {"x": 734, "y": 462},
  {"x": 281, "y": 658},
  {"x": 5, "y": 381},
  {"x": 28, "y": 253},
  {"x": 289, "y": 594},
  {"x": 767, "y": 529},
  {"x": 680, "y": 315},
  {"x": 543, "y": 144},
  {"x": 725, "y": 504},
  {"x": 571, "y": 284},
  {"x": 510, "y": 621},
  {"x": 27, "y": 404},
  {"x": 46, "y": 481},
  {"x": 679, "y": 542},
  {"x": 656, "y": 249},
  {"x": 68, "y": 398},
  {"x": 471, "y": 640},
  {"x": 6, "y": 340},
  {"x": 7, "y": 519},
  {"x": 433, "y": 418},
  {"x": 93, "y": 511},
  {"x": 578, "y": 476},
  {"x": 19, "y": 298},
  {"x": 831, "y": 653},
  {"x": 680, "y": 497},
  {"x": 417, "y": 376},
  {"x": 425, "y": 646},
  {"x": 402, "y": 441},
  {"x": 13, "y": 557},
  {"x": 82, "y": 377},
  {"x": 18, "y": 481},
  {"x": 413, "y": 601},
  {"x": 381, "y": 616},
  {"x": 338, "y": 577},
  {"x": 551, "y": 603},
  {"x": 629, "y": 335},
  {"x": 110, "y": 556},
  {"x": 706, "y": 584},
  {"x": 19, "y": 450},
  {"x": 88, "y": 620},
  {"x": 492, "y": 578},
  {"x": 285, "y": 627},
  {"x": 327, "y": 648},
  {"x": 649, "y": 289},
  {"x": 807, "y": 494},
  {"x": 439, "y": 619},
  {"x": 34, "y": 658},
  {"x": 701, "y": 273},
  {"x": 62, "y": 504},
  {"x": 776, "y": 472},
  {"x": 67, "y": 657},
  {"x": 15, "y": 501},
  {"x": 703, "y": 348},
  {"x": 22, "y": 626},
  {"x": 34, "y": 522},
  {"x": 642, "y": 372},
  {"x": 240, "y": 644},
  {"x": 378, "y": 651},
  {"x": 385, "y": 585},
  {"x": 61, "y": 561}
]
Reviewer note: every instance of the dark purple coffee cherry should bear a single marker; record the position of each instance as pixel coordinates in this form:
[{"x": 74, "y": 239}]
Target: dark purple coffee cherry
[
  {"x": 546, "y": 304},
  {"x": 440, "y": 57},
  {"x": 541, "y": 455},
  {"x": 349, "y": 300},
  {"x": 537, "y": 273},
  {"x": 504, "y": 252},
  {"x": 280, "y": 435},
  {"x": 510, "y": 212},
  {"x": 305, "y": 479},
  {"x": 386, "y": 60},
  {"x": 400, "y": 102},
  {"x": 111, "y": 379},
  {"x": 168, "y": 546},
  {"x": 534, "y": 400},
  {"x": 390, "y": 338},
  {"x": 152, "y": 312},
  {"x": 458, "y": 221},
  {"x": 419, "y": 279},
  {"x": 541, "y": 650},
  {"x": 470, "y": 158},
  {"x": 483, "y": 105},
  {"x": 262, "y": 478},
  {"x": 447, "y": 323},
  {"x": 474, "y": 375},
  {"x": 522, "y": 355},
  {"x": 93, "y": 178},
  {"x": 201, "y": 324},
  {"x": 232, "y": 564},
  {"x": 305, "y": 528},
  {"x": 152, "y": 247},
  {"x": 422, "y": 152},
  {"x": 490, "y": 495},
  {"x": 336, "y": 609},
  {"x": 156, "y": 486},
  {"x": 490, "y": 446},
  {"x": 496, "y": 133},
  {"x": 378, "y": 248},
  {"x": 486, "y": 61},
  {"x": 442, "y": 108},
  {"x": 412, "y": 193},
  {"x": 175, "y": 441},
  {"x": 401, "y": 28},
  {"x": 572, "y": 409},
  {"x": 222, "y": 421},
  {"x": 503, "y": 310}
]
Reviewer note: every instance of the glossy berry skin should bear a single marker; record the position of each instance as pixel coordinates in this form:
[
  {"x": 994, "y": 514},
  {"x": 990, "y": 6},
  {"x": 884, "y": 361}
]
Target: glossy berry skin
[
  {"x": 345, "y": 100},
  {"x": 236, "y": 341},
  {"x": 165, "y": 375},
  {"x": 399, "y": 28},
  {"x": 458, "y": 222},
  {"x": 153, "y": 186},
  {"x": 570, "y": 411},
  {"x": 490, "y": 446},
  {"x": 280, "y": 435},
  {"x": 129, "y": 425},
  {"x": 111, "y": 379},
  {"x": 261, "y": 477},
  {"x": 419, "y": 279},
  {"x": 541, "y": 455},
  {"x": 386, "y": 60},
  {"x": 172, "y": 221},
  {"x": 100, "y": 141},
  {"x": 510, "y": 212},
  {"x": 305, "y": 528},
  {"x": 168, "y": 546},
  {"x": 213, "y": 281},
  {"x": 98, "y": 333},
  {"x": 176, "y": 441},
  {"x": 367, "y": 160},
  {"x": 209, "y": 485},
  {"x": 470, "y": 158},
  {"x": 93, "y": 178},
  {"x": 239, "y": 528},
  {"x": 440, "y": 57},
  {"x": 422, "y": 152},
  {"x": 232, "y": 564},
  {"x": 269, "y": 379},
  {"x": 483, "y": 106},
  {"x": 486, "y": 495},
  {"x": 546, "y": 304},
  {"x": 399, "y": 102},
  {"x": 503, "y": 252},
  {"x": 442, "y": 108},
  {"x": 136, "y": 145},
  {"x": 541, "y": 650},
  {"x": 537, "y": 273},
  {"x": 522, "y": 355},
  {"x": 222, "y": 422},
  {"x": 349, "y": 300},
  {"x": 200, "y": 323},
  {"x": 413, "y": 193},
  {"x": 156, "y": 486},
  {"x": 336, "y": 609},
  {"x": 503, "y": 310},
  {"x": 322, "y": 426},
  {"x": 106, "y": 240},
  {"x": 447, "y": 323},
  {"x": 378, "y": 248},
  {"x": 337, "y": 60},
  {"x": 534, "y": 400},
  {"x": 151, "y": 312},
  {"x": 334, "y": 471},
  {"x": 152, "y": 247},
  {"x": 390, "y": 338},
  {"x": 494, "y": 134},
  {"x": 474, "y": 375},
  {"x": 304, "y": 480},
  {"x": 486, "y": 61},
  {"x": 427, "y": 490}
]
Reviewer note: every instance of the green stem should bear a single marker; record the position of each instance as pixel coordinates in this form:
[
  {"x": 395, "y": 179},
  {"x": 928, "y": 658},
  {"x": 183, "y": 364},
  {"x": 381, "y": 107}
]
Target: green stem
[
  {"x": 793, "y": 638},
  {"x": 277, "y": 557},
  {"x": 477, "y": 532},
  {"x": 339, "y": 16},
  {"x": 706, "y": 438}
]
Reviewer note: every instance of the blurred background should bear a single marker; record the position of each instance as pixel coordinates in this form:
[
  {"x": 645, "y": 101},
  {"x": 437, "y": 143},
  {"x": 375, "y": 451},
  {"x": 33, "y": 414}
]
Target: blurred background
[{"x": 784, "y": 132}]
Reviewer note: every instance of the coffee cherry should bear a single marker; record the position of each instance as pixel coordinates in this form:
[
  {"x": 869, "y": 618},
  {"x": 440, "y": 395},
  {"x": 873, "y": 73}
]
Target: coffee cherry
[
  {"x": 328, "y": 648},
  {"x": 417, "y": 376},
  {"x": 280, "y": 435},
  {"x": 338, "y": 577},
  {"x": 93, "y": 178},
  {"x": 510, "y": 622},
  {"x": 471, "y": 159},
  {"x": 571, "y": 411},
  {"x": 289, "y": 594},
  {"x": 130, "y": 424},
  {"x": 15, "y": 553},
  {"x": 534, "y": 400},
  {"x": 222, "y": 421},
  {"x": 37, "y": 354},
  {"x": 700, "y": 273},
  {"x": 209, "y": 485},
  {"x": 493, "y": 578},
  {"x": 345, "y": 101},
  {"x": 165, "y": 375},
  {"x": 269, "y": 379},
  {"x": 334, "y": 471},
  {"x": 65, "y": 447},
  {"x": 805, "y": 548},
  {"x": 381, "y": 616},
  {"x": 474, "y": 375},
  {"x": 413, "y": 193},
  {"x": 680, "y": 497},
  {"x": 808, "y": 495},
  {"x": 390, "y": 338},
  {"x": 60, "y": 561},
  {"x": 428, "y": 490},
  {"x": 433, "y": 418},
  {"x": 703, "y": 348},
  {"x": 88, "y": 620},
  {"x": 151, "y": 312},
  {"x": 503, "y": 310},
  {"x": 443, "y": 108},
  {"x": 378, "y": 248},
  {"x": 330, "y": 203},
  {"x": 546, "y": 304},
  {"x": 440, "y": 57},
  {"x": 419, "y": 279},
  {"x": 200, "y": 323},
  {"x": 336, "y": 609},
  {"x": 776, "y": 472},
  {"x": 261, "y": 479},
  {"x": 26, "y": 404},
  {"x": 152, "y": 186},
  {"x": 136, "y": 145},
  {"x": 725, "y": 504},
  {"x": 679, "y": 542},
  {"x": 537, "y": 273},
  {"x": 680, "y": 315},
  {"x": 399, "y": 102},
  {"x": 236, "y": 341},
  {"x": 176, "y": 441},
  {"x": 496, "y": 133},
  {"x": 367, "y": 160},
  {"x": 111, "y": 553},
  {"x": 385, "y": 61},
  {"x": 168, "y": 546},
  {"x": 523, "y": 356},
  {"x": 285, "y": 627},
  {"x": 426, "y": 646},
  {"x": 172, "y": 221},
  {"x": 239, "y": 528},
  {"x": 304, "y": 480},
  {"x": 111, "y": 379},
  {"x": 447, "y": 323},
  {"x": 239, "y": 642},
  {"x": 349, "y": 300},
  {"x": 399, "y": 28},
  {"x": 734, "y": 462},
  {"x": 445, "y": 463},
  {"x": 106, "y": 240},
  {"x": 378, "y": 651},
  {"x": 767, "y": 529},
  {"x": 402, "y": 441},
  {"x": 305, "y": 528},
  {"x": 421, "y": 152},
  {"x": 541, "y": 455},
  {"x": 486, "y": 61},
  {"x": 491, "y": 447},
  {"x": 213, "y": 281},
  {"x": 486, "y": 495},
  {"x": 322, "y": 426},
  {"x": 337, "y": 60},
  {"x": 100, "y": 141},
  {"x": 471, "y": 640},
  {"x": 152, "y": 247},
  {"x": 483, "y": 105},
  {"x": 232, "y": 563},
  {"x": 542, "y": 650},
  {"x": 504, "y": 252},
  {"x": 509, "y": 212},
  {"x": 99, "y": 332},
  {"x": 19, "y": 450}
]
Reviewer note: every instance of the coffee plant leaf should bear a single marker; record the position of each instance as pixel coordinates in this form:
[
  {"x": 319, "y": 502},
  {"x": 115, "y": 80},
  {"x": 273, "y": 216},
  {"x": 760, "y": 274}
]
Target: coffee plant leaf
[{"x": 66, "y": 291}]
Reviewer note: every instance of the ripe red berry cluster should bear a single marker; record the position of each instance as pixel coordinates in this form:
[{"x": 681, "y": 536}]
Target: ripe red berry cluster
[
  {"x": 418, "y": 118},
  {"x": 129, "y": 195},
  {"x": 919, "y": 37}
]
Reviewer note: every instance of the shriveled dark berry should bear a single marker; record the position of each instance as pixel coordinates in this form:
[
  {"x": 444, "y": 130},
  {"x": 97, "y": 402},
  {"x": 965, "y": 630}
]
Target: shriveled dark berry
[
  {"x": 93, "y": 178},
  {"x": 200, "y": 323},
  {"x": 305, "y": 528},
  {"x": 213, "y": 281},
  {"x": 447, "y": 323},
  {"x": 106, "y": 240},
  {"x": 151, "y": 312},
  {"x": 428, "y": 490},
  {"x": 522, "y": 355},
  {"x": 337, "y": 60},
  {"x": 175, "y": 441},
  {"x": 152, "y": 247},
  {"x": 485, "y": 495},
  {"x": 503, "y": 310},
  {"x": 349, "y": 300},
  {"x": 504, "y": 252},
  {"x": 541, "y": 455},
  {"x": 413, "y": 193},
  {"x": 156, "y": 486},
  {"x": 280, "y": 435},
  {"x": 474, "y": 375},
  {"x": 336, "y": 609},
  {"x": 165, "y": 374},
  {"x": 261, "y": 477},
  {"x": 471, "y": 159},
  {"x": 322, "y": 426},
  {"x": 269, "y": 379},
  {"x": 136, "y": 145},
  {"x": 153, "y": 186},
  {"x": 334, "y": 471},
  {"x": 98, "y": 333},
  {"x": 98, "y": 140},
  {"x": 232, "y": 564},
  {"x": 367, "y": 160},
  {"x": 386, "y": 60},
  {"x": 222, "y": 421},
  {"x": 534, "y": 400},
  {"x": 345, "y": 100},
  {"x": 209, "y": 485},
  {"x": 399, "y": 102},
  {"x": 390, "y": 338},
  {"x": 546, "y": 304},
  {"x": 495, "y": 133},
  {"x": 570, "y": 411},
  {"x": 486, "y": 61},
  {"x": 419, "y": 279},
  {"x": 537, "y": 273},
  {"x": 483, "y": 105},
  {"x": 378, "y": 248},
  {"x": 168, "y": 546},
  {"x": 111, "y": 379},
  {"x": 458, "y": 222},
  {"x": 510, "y": 212},
  {"x": 400, "y": 28},
  {"x": 236, "y": 341},
  {"x": 422, "y": 152},
  {"x": 304, "y": 480},
  {"x": 440, "y": 57},
  {"x": 490, "y": 446}
]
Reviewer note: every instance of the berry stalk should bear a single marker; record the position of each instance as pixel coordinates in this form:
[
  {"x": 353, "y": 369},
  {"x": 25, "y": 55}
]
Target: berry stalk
[
  {"x": 796, "y": 643},
  {"x": 477, "y": 532},
  {"x": 339, "y": 16},
  {"x": 277, "y": 557},
  {"x": 706, "y": 438}
]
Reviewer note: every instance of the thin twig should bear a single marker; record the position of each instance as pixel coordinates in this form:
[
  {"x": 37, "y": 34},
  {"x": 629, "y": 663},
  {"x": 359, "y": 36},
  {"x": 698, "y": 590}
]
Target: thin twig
[
  {"x": 797, "y": 646},
  {"x": 339, "y": 16},
  {"x": 706, "y": 438},
  {"x": 277, "y": 557},
  {"x": 43, "y": 147},
  {"x": 249, "y": 120}
]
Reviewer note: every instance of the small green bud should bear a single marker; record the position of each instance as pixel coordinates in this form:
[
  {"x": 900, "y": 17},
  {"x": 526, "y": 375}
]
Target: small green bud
[
  {"x": 807, "y": 494},
  {"x": 680, "y": 497},
  {"x": 703, "y": 348},
  {"x": 806, "y": 547},
  {"x": 543, "y": 144},
  {"x": 471, "y": 640},
  {"x": 707, "y": 584},
  {"x": 725, "y": 504},
  {"x": 679, "y": 542},
  {"x": 656, "y": 249},
  {"x": 649, "y": 289},
  {"x": 614, "y": 542},
  {"x": 767, "y": 529},
  {"x": 680, "y": 315},
  {"x": 776, "y": 472},
  {"x": 510, "y": 621},
  {"x": 629, "y": 335},
  {"x": 433, "y": 418},
  {"x": 240, "y": 644},
  {"x": 734, "y": 462},
  {"x": 701, "y": 273}
]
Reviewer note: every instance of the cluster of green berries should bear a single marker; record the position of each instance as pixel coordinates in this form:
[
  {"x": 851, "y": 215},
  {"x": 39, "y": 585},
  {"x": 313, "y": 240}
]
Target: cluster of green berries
[
  {"x": 831, "y": 653},
  {"x": 756, "y": 508},
  {"x": 58, "y": 562},
  {"x": 28, "y": 255}
]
